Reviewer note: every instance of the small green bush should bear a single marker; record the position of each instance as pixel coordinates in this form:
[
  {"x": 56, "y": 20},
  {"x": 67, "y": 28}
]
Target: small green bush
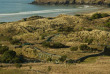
[
  {"x": 77, "y": 15},
  {"x": 53, "y": 44},
  {"x": 11, "y": 57},
  {"x": 65, "y": 29},
  {"x": 63, "y": 58},
  {"x": 84, "y": 47},
  {"x": 15, "y": 41},
  {"x": 89, "y": 29},
  {"x": 70, "y": 61},
  {"x": 107, "y": 24},
  {"x": 99, "y": 15},
  {"x": 49, "y": 68},
  {"x": 18, "y": 65},
  {"x": 74, "y": 48},
  {"x": 3, "y": 49},
  {"x": 89, "y": 41},
  {"x": 49, "y": 59}
]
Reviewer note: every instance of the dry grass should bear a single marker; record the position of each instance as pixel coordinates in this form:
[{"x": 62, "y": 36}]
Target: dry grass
[{"x": 101, "y": 65}]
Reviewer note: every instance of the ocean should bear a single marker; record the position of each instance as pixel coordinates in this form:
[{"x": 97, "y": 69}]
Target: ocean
[{"x": 14, "y": 10}]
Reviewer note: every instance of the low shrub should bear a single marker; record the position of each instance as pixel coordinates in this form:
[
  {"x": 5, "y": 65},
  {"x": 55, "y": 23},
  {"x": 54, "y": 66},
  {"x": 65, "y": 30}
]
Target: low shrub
[
  {"x": 53, "y": 44},
  {"x": 77, "y": 15},
  {"x": 107, "y": 24},
  {"x": 15, "y": 41},
  {"x": 65, "y": 29},
  {"x": 84, "y": 47},
  {"x": 49, "y": 59},
  {"x": 49, "y": 68},
  {"x": 74, "y": 48},
  {"x": 10, "y": 57},
  {"x": 70, "y": 61},
  {"x": 18, "y": 65},
  {"x": 89, "y": 29},
  {"x": 3, "y": 49},
  {"x": 63, "y": 58},
  {"x": 99, "y": 15},
  {"x": 89, "y": 41}
]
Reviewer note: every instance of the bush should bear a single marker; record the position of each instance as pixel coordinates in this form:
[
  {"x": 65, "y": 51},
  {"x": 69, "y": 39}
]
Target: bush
[
  {"x": 107, "y": 24},
  {"x": 99, "y": 15},
  {"x": 63, "y": 58},
  {"x": 84, "y": 47},
  {"x": 53, "y": 45},
  {"x": 11, "y": 57},
  {"x": 74, "y": 48},
  {"x": 57, "y": 45},
  {"x": 18, "y": 65},
  {"x": 49, "y": 59},
  {"x": 8, "y": 56},
  {"x": 89, "y": 41},
  {"x": 89, "y": 29},
  {"x": 65, "y": 29},
  {"x": 3, "y": 49},
  {"x": 77, "y": 15},
  {"x": 15, "y": 41},
  {"x": 104, "y": 15},
  {"x": 46, "y": 44},
  {"x": 70, "y": 61},
  {"x": 49, "y": 68},
  {"x": 96, "y": 16}
]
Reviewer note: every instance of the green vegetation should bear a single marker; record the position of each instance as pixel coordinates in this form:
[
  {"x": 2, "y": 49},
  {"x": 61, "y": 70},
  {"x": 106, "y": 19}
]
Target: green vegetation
[
  {"x": 74, "y": 48},
  {"x": 49, "y": 59},
  {"x": 63, "y": 58},
  {"x": 70, "y": 61},
  {"x": 77, "y": 15},
  {"x": 84, "y": 47},
  {"x": 53, "y": 45},
  {"x": 15, "y": 41},
  {"x": 87, "y": 40},
  {"x": 3, "y": 49},
  {"x": 107, "y": 24},
  {"x": 49, "y": 68},
  {"x": 10, "y": 56},
  {"x": 99, "y": 15},
  {"x": 65, "y": 29},
  {"x": 18, "y": 65}
]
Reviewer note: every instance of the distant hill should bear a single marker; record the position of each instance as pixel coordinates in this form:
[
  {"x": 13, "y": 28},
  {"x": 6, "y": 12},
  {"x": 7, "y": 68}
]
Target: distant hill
[{"x": 92, "y": 2}]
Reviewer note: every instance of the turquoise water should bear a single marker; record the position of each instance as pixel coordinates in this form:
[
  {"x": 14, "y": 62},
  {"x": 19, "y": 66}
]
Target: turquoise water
[{"x": 13, "y": 10}]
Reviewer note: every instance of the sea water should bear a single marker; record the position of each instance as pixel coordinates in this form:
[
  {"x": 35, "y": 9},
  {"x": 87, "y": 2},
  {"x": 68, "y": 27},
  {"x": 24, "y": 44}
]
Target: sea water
[{"x": 14, "y": 10}]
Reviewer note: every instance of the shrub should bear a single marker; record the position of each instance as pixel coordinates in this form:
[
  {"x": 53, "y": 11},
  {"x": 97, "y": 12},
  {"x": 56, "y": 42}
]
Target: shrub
[
  {"x": 8, "y": 56},
  {"x": 49, "y": 68},
  {"x": 70, "y": 61},
  {"x": 46, "y": 44},
  {"x": 89, "y": 41},
  {"x": 18, "y": 65},
  {"x": 57, "y": 45},
  {"x": 15, "y": 41},
  {"x": 11, "y": 57},
  {"x": 107, "y": 24},
  {"x": 96, "y": 16},
  {"x": 84, "y": 47},
  {"x": 77, "y": 15},
  {"x": 65, "y": 29},
  {"x": 3, "y": 49},
  {"x": 104, "y": 15},
  {"x": 63, "y": 58},
  {"x": 49, "y": 59},
  {"x": 74, "y": 48},
  {"x": 89, "y": 29},
  {"x": 99, "y": 15},
  {"x": 53, "y": 45}
]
